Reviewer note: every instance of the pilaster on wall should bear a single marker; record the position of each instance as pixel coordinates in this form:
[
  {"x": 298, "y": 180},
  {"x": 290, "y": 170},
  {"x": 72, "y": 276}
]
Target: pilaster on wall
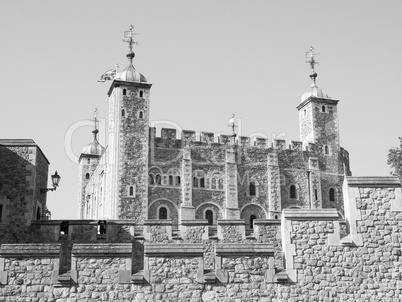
[
  {"x": 187, "y": 211},
  {"x": 232, "y": 205},
  {"x": 315, "y": 183},
  {"x": 291, "y": 219},
  {"x": 352, "y": 194},
  {"x": 274, "y": 186}
]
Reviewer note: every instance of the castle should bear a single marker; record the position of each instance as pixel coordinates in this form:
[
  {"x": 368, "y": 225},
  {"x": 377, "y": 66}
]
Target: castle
[
  {"x": 194, "y": 219},
  {"x": 141, "y": 176}
]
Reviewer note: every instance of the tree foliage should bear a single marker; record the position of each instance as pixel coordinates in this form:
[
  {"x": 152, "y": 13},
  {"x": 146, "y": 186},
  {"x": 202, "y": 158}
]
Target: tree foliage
[{"x": 395, "y": 159}]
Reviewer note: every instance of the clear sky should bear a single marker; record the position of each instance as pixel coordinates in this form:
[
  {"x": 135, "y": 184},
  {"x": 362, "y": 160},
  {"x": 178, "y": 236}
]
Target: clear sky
[{"x": 206, "y": 60}]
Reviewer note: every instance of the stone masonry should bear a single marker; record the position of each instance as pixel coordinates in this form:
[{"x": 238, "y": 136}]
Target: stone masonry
[{"x": 308, "y": 255}]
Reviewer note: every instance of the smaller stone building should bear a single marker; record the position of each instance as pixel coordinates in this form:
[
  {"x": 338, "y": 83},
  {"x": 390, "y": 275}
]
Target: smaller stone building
[{"x": 23, "y": 173}]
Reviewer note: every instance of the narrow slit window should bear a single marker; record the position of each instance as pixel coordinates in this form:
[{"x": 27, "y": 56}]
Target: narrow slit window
[
  {"x": 141, "y": 93},
  {"x": 170, "y": 180},
  {"x": 163, "y": 214},
  {"x": 87, "y": 176},
  {"x": 202, "y": 182},
  {"x": 141, "y": 115},
  {"x": 331, "y": 194},
  {"x": 252, "y": 218},
  {"x": 131, "y": 191},
  {"x": 178, "y": 181},
  {"x": 123, "y": 112},
  {"x": 124, "y": 92},
  {"x": 293, "y": 193},
  {"x": 315, "y": 194},
  {"x": 252, "y": 190},
  {"x": 88, "y": 161},
  {"x": 213, "y": 183},
  {"x": 326, "y": 150},
  {"x": 38, "y": 214},
  {"x": 158, "y": 179},
  {"x": 1, "y": 211},
  {"x": 323, "y": 108}
]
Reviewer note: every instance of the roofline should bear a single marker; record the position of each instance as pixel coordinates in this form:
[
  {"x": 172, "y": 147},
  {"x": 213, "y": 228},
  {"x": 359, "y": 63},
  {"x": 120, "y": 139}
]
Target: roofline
[
  {"x": 313, "y": 98},
  {"x": 22, "y": 143},
  {"x": 117, "y": 83}
]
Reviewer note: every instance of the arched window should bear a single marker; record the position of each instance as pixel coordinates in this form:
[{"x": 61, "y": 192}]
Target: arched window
[
  {"x": 123, "y": 112},
  {"x": 252, "y": 190},
  {"x": 323, "y": 108},
  {"x": 252, "y": 217},
  {"x": 141, "y": 114},
  {"x": 331, "y": 194},
  {"x": 151, "y": 179},
  {"x": 88, "y": 161},
  {"x": 293, "y": 192},
  {"x": 158, "y": 179},
  {"x": 38, "y": 214},
  {"x": 163, "y": 213},
  {"x": 124, "y": 92},
  {"x": 209, "y": 215},
  {"x": 276, "y": 217},
  {"x": 213, "y": 183},
  {"x": 177, "y": 180},
  {"x": 87, "y": 176},
  {"x": 202, "y": 182},
  {"x": 220, "y": 184},
  {"x": 131, "y": 191},
  {"x": 195, "y": 182},
  {"x": 141, "y": 93},
  {"x": 170, "y": 180}
]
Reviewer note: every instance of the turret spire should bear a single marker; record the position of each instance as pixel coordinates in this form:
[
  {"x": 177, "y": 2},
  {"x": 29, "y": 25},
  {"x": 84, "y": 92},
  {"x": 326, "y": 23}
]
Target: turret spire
[
  {"x": 129, "y": 35},
  {"x": 95, "y": 131},
  {"x": 310, "y": 55}
]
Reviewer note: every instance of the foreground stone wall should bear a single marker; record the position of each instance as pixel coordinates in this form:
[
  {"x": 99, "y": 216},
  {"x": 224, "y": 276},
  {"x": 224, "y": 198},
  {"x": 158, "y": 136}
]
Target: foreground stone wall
[{"x": 306, "y": 256}]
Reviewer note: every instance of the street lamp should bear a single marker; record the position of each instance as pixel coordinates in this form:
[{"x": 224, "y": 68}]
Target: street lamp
[{"x": 55, "y": 180}]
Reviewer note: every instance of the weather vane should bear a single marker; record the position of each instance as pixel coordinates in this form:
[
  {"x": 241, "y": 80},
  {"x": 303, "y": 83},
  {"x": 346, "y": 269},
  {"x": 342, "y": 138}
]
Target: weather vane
[
  {"x": 129, "y": 35},
  {"x": 233, "y": 126},
  {"x": 96, "y": 118},
  {"x": 311, "y": 60}
]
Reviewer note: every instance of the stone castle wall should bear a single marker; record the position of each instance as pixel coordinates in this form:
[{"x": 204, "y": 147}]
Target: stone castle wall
[{"x": 308, "y": 255}]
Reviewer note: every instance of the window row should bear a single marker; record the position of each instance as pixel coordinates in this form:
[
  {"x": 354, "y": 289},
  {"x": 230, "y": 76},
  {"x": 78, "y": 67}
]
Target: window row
[
  {"x": 170, "y": 180},
  {"x": 293, "y": 193},
  {"x": 141, "y": 93},
  {"x": 140, "y": 113}
]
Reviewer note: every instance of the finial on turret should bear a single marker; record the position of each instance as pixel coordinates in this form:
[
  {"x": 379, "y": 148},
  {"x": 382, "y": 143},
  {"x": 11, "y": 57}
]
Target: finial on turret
[
  {"x": 310, "y": 55},
  {"x": 129, "y": 35},
  {"x": 232, "y": 125},
  {"x": 95, "y": 131}
]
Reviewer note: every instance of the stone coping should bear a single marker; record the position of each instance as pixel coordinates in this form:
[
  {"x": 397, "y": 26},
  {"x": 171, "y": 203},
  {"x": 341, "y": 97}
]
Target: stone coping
[
  {"x": 231, "y": 222},
  {"x": 373, "y": 181},
  {"x": 158, "y": 222},
  {"x": 321, "y": 100},
  {"x": 98, "y": 249},
  {"x": 266, "y": 221},
  {"x": 84, "y": 222},
  {"x": 228, "y": 249},
  {"x": 173, "y": 249},
  {"x": 311, "y": 214},
  {"x": 29, "y": 250},
  {"x": 196, "y": 222}
]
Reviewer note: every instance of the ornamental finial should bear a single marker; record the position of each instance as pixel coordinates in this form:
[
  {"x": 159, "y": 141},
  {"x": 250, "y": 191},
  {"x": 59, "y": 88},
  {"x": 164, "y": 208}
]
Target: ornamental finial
[
  {"x": 310, "y": 55},
  {"x": 95, "y": 131},
  {"x": 129, "y": 35}
]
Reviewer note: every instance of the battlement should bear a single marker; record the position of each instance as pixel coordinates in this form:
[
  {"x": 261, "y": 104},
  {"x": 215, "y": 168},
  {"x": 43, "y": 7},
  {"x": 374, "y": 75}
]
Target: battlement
[{"x": 168, "y": 137}]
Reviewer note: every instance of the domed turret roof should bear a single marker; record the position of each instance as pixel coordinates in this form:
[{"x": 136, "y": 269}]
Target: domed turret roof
[
  {"x": 314, "y": 91},
  {"x": 94, "y": 148},
  {"x": 130, "y": 74}
]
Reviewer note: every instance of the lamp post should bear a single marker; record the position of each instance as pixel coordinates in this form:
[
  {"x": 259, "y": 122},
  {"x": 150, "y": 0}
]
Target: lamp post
[{"x": 55, "y": 181}]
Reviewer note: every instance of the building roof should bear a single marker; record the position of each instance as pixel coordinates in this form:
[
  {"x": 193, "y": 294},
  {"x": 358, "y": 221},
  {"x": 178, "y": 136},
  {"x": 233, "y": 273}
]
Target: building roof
[{"x": 16, "y": 142}]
